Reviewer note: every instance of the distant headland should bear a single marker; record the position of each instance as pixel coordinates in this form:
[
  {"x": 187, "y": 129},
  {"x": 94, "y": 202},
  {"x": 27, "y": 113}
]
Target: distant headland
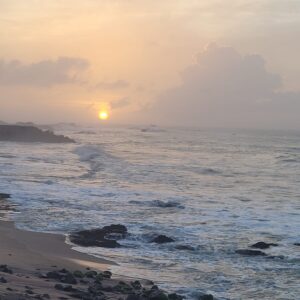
[{"x": 30, "y": 134}]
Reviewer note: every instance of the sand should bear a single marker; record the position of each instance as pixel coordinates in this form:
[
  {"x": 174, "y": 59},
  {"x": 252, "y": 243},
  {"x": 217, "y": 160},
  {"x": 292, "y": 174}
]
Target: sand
[
  {"x": 42, "y": 266},
  {"x": 29, "y": 254},
  {"x": 28, "y": 258},
  {"x": 32, "y": 250}
]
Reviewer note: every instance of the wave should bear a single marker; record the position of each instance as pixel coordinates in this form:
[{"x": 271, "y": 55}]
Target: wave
[{"x": 88, "y": 152}]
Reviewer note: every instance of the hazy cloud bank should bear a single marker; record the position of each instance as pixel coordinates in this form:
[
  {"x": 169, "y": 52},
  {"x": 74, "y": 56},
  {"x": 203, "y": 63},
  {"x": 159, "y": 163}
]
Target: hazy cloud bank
[
  {"x": 224, "y": 88},
  {"x": 44, "y": 73},
  {"x": 47, "y": 73}
]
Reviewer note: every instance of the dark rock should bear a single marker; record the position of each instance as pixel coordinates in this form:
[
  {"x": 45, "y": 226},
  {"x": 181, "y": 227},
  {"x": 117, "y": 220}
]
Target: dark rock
[
  {"x": 5, "y": 269},
  {"x": 107, "y": 288},
  {"x": 17, "y": 133},
  {"x": 134, "y": 297},
  {"x": 162, "y": 239},
  {"x": 101, "y": 237},
  {"x": 250, "y": 252},
  {"x": 4, "y": 196},
  {"x": 54, "y": 275},
  {"x": 28, "y": 287},
  {"x": 123, "y": 287},
  {"x": 87, "y": 296},
  {"x": 107, "y": 274},
  {"x": 206, "y": 297},
  {"x": 68, "y": 288},
  {"x": 59, "y": 287},
  {"x": 263, "y": 245},
  {"x": 65, "y": 288},
  {"x": 91, "y": 274},
  {"x": 185, "y": 247},
  {"x": 78, "y": 274},
  {"x": 63, "y": 276},
  {"x": 136, "y": 285},
  {"x": 276, "y": 257},
  {"x": 115, "y": 231},
  {"x": 99, "y": 278},
  {"x": 157, "y": 295},
  {"x": 175, "y": 296},
  {"x": 168, "y": 204},
  {"x": 68, "y": 278},
  {"x": 40, "y": 275},
  {"x": 96, "y": 289},
  {"x": 3, "y": 280},
  {"x": 296, "y": 244}
]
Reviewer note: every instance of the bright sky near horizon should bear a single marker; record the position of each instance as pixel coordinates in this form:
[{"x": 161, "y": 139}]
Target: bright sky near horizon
[{"x": 219, "y": 63}]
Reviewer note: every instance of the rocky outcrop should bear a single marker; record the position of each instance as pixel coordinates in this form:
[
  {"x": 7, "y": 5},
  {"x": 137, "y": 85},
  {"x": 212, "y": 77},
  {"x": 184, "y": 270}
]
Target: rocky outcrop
[
  {"x": 31, "y": 134},
  {"x": 206, "y": 297},
  {"x": 263, "y": 245},
  {"x": 250, "y": 252},
  {"x": 100, "y": 237},
  {"x": 162, "y": 239},
  {"x": 185, "y": 247},
  {"x": 4, "y": 196}
]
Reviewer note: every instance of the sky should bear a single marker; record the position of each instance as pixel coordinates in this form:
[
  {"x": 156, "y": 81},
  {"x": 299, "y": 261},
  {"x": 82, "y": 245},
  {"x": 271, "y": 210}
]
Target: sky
[{"x": 207, "y": 63}]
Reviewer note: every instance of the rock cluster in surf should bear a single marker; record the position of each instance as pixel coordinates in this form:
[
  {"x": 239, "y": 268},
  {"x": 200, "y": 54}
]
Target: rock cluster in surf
[{"x": 106, "y": 237}]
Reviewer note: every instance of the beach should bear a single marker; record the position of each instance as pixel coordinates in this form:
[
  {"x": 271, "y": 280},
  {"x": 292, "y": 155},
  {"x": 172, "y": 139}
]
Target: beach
[
  {"x": 42, "y": 266},
  {"x": 29, "y": 254},
  {"x": 37, "y": 265}
]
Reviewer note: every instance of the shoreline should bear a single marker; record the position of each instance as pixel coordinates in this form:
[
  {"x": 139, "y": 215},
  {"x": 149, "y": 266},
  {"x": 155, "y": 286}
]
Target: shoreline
[
  {"x": 42, "y": 266},
  {"x": 42, "y": 249}
]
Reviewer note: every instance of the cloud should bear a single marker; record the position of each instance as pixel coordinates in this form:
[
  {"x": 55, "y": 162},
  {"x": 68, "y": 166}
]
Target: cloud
[
  {"x": 120, "y": 103},
  {"x": 224, "y": 88},
  {"x": 112, "y": 85},
  {"x": 44, "y": 73}
]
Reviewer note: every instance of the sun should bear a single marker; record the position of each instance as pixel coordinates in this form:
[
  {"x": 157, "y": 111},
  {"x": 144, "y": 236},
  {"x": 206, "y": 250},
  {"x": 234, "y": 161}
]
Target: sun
[{"x": 103, "y": 115}]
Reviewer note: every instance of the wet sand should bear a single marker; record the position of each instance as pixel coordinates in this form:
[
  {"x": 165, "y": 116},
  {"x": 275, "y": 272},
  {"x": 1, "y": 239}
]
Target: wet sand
[
  {"x": 29, "y": 254},
  {"x": 42, "y": 266}
]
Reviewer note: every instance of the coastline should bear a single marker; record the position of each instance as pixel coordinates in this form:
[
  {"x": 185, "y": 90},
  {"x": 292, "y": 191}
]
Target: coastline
[
  {"x": 33, "y": 250},
  {"x": 36, "y": 265}
]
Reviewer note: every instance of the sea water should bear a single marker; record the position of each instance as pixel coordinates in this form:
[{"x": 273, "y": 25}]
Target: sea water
[{"x": 214, "y": 190}]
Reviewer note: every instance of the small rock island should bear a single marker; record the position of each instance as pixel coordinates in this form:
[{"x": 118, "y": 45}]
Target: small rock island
[{"x": 30, "y": 134}]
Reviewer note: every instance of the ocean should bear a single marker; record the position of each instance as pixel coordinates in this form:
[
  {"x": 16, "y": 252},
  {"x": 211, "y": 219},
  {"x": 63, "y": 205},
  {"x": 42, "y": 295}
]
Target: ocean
[{"x": 215, "y": 191}]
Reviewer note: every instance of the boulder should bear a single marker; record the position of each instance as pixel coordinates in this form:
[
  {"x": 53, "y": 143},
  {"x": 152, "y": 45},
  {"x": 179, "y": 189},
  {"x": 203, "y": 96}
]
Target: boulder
[
  {"x": 250, "y": 252},
  {"x": 175, "y": 296},
  {"x": 263, "y": 245},
  {"x": 4, "y": 196},
  {"x": 101, "y": 237},
  {"x": 206, "y": 297},
  {"x": 5, "y": 269},
  {"x": 162, "y": 239}
]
